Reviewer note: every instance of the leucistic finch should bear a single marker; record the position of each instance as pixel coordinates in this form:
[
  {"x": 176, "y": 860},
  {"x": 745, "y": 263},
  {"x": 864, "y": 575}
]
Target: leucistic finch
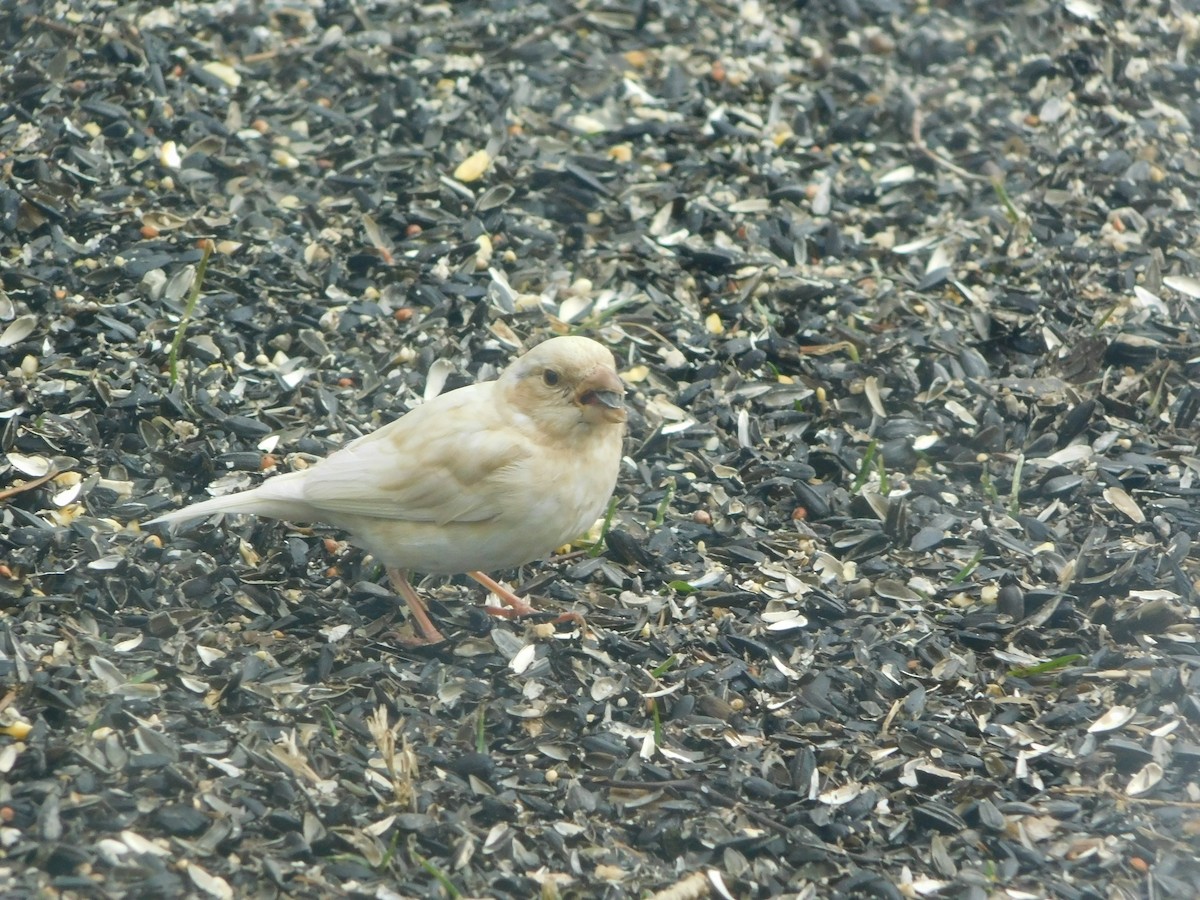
[{"x": 486, "y": 477}]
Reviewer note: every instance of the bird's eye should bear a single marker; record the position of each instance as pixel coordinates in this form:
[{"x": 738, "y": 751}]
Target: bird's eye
[{"x": 550, "y": 377}]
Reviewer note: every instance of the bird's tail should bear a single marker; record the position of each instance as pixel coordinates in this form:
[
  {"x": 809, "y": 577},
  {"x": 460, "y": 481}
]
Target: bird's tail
[{"x": 276, "y": 498}]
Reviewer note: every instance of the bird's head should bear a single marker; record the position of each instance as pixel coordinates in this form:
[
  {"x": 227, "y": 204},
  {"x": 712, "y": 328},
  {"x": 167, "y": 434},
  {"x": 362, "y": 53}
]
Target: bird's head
[{"x": 566, "y": 382}]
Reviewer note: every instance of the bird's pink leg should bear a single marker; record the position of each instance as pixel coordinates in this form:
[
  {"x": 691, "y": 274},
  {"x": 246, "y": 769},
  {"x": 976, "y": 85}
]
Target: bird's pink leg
[
  {"x": 416, "y": 606},
  {"x": 514, "y": 606}
]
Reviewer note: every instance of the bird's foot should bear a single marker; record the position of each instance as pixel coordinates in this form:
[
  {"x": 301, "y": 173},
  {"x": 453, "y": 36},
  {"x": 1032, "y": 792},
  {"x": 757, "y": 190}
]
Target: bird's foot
[
  {"x": 514, "y": 607},
  {"x": 416, "y": 641}
]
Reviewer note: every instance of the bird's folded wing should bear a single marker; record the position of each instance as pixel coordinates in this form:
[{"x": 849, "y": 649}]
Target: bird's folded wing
[{"x": 422, "y": 469}]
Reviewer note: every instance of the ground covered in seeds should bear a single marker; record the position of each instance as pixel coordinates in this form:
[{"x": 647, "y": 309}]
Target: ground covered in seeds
[{"x": 898, "y": 593}]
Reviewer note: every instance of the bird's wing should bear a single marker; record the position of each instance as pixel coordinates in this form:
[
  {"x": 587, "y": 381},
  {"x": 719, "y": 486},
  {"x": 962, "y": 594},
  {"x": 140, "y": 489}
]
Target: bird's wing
[{"x": 446, "y": 461}]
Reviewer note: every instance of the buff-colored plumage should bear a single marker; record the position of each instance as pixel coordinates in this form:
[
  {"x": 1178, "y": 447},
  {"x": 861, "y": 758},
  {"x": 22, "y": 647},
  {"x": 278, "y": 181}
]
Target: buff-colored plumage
[{"x": 490, "y": 476}]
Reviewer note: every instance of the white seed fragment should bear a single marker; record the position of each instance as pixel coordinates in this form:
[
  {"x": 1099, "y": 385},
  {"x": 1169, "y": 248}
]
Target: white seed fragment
[
  {"x": 224, "y": 72},
  {"x": 1146, "y": 777},
  {"x": 20, "y": 329},
  {"x": 33, "y": 466},
  {"x": 1124, "y": 504},
  {"x": 168, "y": 155},
  {"x": 1115, "y": 718}
]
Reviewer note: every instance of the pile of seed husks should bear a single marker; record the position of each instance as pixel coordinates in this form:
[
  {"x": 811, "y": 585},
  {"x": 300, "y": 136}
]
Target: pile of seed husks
[{"x": 897, "y": 597}]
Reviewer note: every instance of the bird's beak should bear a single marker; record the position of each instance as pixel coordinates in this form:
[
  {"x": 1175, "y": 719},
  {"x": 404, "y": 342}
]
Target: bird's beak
[{"x": 602, "y": 396}]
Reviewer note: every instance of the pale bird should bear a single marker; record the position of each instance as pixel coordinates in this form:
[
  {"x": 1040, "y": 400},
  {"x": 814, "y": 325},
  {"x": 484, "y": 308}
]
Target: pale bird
[{"x": 486, "y": 477}]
